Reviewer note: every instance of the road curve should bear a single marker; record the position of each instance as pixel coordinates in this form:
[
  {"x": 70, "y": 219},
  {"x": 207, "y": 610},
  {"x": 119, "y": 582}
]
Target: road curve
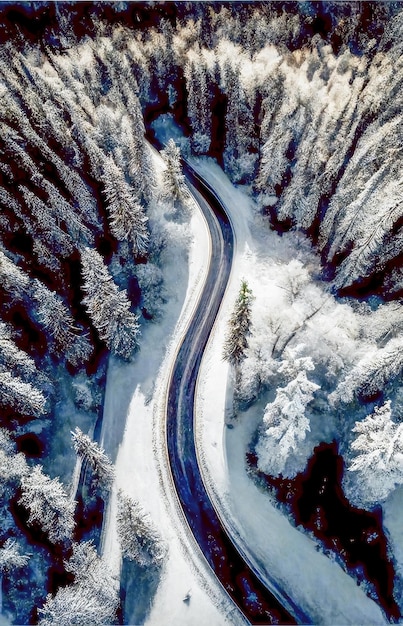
[{"x": 258, "y": 604}]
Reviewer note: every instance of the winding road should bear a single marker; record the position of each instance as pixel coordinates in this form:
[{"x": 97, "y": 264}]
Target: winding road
[{"x": 259, "y": 602}]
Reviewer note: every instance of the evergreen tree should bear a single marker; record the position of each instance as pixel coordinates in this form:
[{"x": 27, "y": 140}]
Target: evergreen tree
[
  {"x": 48, "y": 505},
  {"x": 108, "y": 308},
  {"x": 21, "y": 396},
  {"x": 236, "y": 340},
  {"x": 174, "y": 185},
  {"x": 285, "y": 425},
  {"x": 12, "y": 278},
  {"x": 139, "y": 540},
  {"x": 57, "y": 320},
  {"x": 92, "y": 599},
  {"x": 90, "y": 452},
  {"x": 379, "y": 455},
  {"x": 127, "y": 219},
  {"x": 12, "y": 358}
]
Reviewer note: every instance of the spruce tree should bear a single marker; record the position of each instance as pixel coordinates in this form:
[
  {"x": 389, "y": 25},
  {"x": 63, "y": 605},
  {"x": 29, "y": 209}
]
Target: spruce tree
[
  {"x": 236, "y": 340},
  {"x": 108, "y": 308},
  {"x": 138, "y": 538},
  {"x": 174, "y": 186},
  {"x": 48, "y": 505},
  {"x": 90, "y": 452}
]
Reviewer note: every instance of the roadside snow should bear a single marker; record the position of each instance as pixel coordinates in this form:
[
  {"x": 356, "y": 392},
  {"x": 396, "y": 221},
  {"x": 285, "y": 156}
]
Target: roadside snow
[
  {"x": 322, "y": 590},
  {"x": 133, "y": 436}
]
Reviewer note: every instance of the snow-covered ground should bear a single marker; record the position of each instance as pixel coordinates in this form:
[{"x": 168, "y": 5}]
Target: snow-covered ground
[
  {"x": 318, "y": 585},
  {"x": 132, "y": 435}
]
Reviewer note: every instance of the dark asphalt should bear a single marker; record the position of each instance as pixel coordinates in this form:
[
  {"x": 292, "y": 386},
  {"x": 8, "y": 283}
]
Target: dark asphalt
[{"x": 258, "y": 604}]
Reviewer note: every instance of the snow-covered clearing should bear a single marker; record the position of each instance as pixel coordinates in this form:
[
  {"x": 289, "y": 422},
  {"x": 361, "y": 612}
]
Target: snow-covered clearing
[
  {"x": 132, "y": 435},
  {"x": 290, "y": 558}
]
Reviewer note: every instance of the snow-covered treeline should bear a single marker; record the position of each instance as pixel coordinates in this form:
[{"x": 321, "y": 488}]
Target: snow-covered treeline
[{"x": 79, "y": 275}]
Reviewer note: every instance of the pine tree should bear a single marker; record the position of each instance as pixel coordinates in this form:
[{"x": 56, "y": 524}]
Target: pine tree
[
  {"x": 138, "y": 538},
  {"x": 127, "y": 218},
  {"x": 21, "y": 396},
  {"x": 90, "y": 452},
  {"x": 174, "y": 186},
  {"x": 285, "y": 424},
  {"x": 379, "y": 450},
  {"x": 48, "y": 505},
  {"x": 12, "y": 278},
  {"x": 92, "y": 600},
  {"x": 13, "y": 466},
  {"x": 140, "y": 166},
  {"x": 108, "y": 308},
  {"x": 236, "y": 340},
  {"x": 57, "y": 320},
  {"x": 12, "y": 358}
]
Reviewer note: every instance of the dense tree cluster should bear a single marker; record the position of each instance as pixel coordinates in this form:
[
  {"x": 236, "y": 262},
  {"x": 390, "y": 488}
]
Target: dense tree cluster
[{"x": 91, "y": 599}]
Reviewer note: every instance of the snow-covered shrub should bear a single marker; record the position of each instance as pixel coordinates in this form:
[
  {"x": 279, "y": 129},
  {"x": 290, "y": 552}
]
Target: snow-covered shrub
[
  {"x": 10, "y": 556},
  {"x": 371, "y": 374},
  {"x": 153, "y": 293},
  {"x": 200, "y": 143}
]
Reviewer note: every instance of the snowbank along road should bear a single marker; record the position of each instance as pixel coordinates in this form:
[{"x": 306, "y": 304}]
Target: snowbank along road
[{"x": 258, "y": 604}]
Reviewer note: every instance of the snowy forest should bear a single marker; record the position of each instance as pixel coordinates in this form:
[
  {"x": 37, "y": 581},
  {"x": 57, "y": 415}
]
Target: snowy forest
[{"x": 298, "y": 103}]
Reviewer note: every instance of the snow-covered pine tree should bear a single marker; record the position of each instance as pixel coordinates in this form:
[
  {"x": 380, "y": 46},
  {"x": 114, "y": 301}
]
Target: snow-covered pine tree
[
  {"x": 49, "y": 233},
  {"x": 371, "y": 374},
  {"x": 239, "y": 324},
  {"x": 57, "y": 320},
  {"x": 138, "y": 538},
  {"x": 140, "y": 166},
  {"x": 379, "y": 460},
  {"x": 13, "y": 466},
  {"x": 127, "y": 218},
  {"x": 93, "y": 597},
  {"x": 11, "y": 357},
  {"x": 198, "y": 104},
  {"x": 48, "y": 505},
  {"x": 90, "y": 452},
  {"x": 12, "y": 278},
  {"x": 173, "y": 180},
  {"x": 284, "y": 426},
  {"x": 108, "y": 308},
  {"x": 21, "y": 396}
]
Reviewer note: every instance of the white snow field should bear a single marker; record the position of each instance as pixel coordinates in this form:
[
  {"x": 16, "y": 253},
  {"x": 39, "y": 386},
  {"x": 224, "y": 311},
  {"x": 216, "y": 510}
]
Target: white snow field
[{"x": 133, "y": 436}]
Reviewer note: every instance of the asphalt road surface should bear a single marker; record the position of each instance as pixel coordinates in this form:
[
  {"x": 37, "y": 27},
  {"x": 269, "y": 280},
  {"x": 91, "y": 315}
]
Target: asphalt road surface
[{"x": 258, "y": 603}]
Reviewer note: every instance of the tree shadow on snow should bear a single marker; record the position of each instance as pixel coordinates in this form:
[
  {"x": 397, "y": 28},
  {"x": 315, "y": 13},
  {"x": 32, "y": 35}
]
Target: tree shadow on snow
[{"x": 138, "y": 587}]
